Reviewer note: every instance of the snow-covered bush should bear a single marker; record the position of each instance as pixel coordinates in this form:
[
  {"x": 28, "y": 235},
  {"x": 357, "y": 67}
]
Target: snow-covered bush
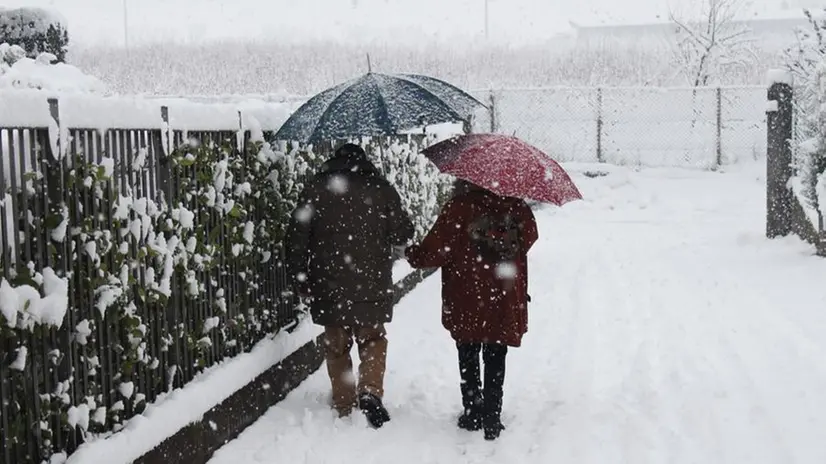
[
  {"x": 422, "y": 187},
  {"x": 121, "y": 296},
  {"x": 17, "y": 71},
  {"x": 35, "y": 30},
  {"x": 807, "y": 62}
]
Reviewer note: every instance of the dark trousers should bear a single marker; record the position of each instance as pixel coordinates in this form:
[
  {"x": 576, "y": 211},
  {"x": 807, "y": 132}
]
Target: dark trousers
[{"x": 477, "y": 398}]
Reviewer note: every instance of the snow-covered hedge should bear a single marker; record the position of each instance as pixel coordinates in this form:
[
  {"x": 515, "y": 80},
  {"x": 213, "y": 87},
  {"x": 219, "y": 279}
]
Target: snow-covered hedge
[
  {"x": 17, "y": 71},
  {"x": 422, "y": 188},
  {"x": 36, "y": 30},
  {"x": 807, "y": 62},
  {"x": 124, "y": 297}
]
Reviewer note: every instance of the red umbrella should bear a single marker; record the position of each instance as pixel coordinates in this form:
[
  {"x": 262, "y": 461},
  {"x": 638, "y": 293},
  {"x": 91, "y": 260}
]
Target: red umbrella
[{"x": 504, "y": 165}]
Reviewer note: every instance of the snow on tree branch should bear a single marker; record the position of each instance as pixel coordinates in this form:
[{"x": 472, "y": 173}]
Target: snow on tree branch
[{"x": 712, "y": 43}]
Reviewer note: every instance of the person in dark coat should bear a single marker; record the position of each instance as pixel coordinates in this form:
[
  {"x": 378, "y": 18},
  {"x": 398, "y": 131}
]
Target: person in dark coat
[
  {"x": 481, "y": 241},
  {"x": 339, "y": 247}
]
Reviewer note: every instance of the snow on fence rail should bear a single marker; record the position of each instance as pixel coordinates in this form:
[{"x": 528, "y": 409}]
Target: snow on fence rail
[{"x": 646, "y": 126}]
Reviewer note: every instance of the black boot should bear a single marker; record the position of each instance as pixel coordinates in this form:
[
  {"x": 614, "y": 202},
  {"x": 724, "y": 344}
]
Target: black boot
[
  {"x": 493, "y": 428},
  {"x": 373, "y": 409},
  {"x": 473, "y": 414},
  {"x": 471, "y": 386},
  {"x": 494, "y": 356}
]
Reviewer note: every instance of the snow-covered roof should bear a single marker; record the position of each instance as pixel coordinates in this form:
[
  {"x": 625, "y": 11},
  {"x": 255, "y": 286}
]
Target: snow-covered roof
[{"x": 763, "y": 13}]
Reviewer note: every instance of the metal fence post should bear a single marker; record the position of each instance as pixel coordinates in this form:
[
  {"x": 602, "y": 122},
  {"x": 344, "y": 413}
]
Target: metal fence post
[
  {"x": 55, "y": 196},
  {"x": 600, "y": 156},
  {"x": 779, "y": 197},
  {"x": 492, "y": 109},
  {"x": 719, "y": 160},
  {"x": 165, "y": 151}
]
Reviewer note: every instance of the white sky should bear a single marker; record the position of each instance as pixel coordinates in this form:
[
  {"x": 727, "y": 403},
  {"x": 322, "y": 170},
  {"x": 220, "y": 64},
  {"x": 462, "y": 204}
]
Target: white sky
[{"x": 515, "y": 21}]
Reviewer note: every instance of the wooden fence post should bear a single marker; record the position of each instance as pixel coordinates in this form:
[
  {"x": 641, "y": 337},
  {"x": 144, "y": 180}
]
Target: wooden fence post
[{"x": 779, "y": 197}]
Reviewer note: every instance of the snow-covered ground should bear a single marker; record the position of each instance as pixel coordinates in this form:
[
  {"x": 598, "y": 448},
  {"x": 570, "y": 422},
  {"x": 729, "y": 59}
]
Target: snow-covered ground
[
  {"x": 174, "y": 410},
  {"x": 664, "y": 328}
]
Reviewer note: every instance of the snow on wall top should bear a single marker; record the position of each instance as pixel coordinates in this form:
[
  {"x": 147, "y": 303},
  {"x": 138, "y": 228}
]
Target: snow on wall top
[
  {"x": 30, "y": 108},
  {"x": 779, "y": 76},
  {"x": 22, "y": 108},
  {"x": 23, "y": 22}
]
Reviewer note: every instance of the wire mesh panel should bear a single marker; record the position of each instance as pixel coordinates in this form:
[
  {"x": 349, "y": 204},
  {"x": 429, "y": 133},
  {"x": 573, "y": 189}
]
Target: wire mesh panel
[
  {"x": 659, "y": 127},
  {"x": 743, "y": 124},
  {"x": 647, "y": 126},
  {"x": 560, "y": 121}
]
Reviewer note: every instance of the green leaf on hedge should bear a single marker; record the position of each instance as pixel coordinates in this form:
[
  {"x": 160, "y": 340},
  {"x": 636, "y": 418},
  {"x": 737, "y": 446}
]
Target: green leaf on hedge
[{"x": 236, "y": 211}]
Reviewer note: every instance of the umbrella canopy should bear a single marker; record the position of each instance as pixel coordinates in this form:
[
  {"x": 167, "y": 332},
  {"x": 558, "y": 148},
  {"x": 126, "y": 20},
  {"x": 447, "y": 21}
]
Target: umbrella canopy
[
  {"x": 504, "y": 165},
  {"x": 377, "y": 104}
]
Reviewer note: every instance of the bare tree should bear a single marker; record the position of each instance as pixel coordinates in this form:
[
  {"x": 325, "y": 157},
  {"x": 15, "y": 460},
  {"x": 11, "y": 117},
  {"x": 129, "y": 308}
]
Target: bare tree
[{"x": 714, "y": 43}]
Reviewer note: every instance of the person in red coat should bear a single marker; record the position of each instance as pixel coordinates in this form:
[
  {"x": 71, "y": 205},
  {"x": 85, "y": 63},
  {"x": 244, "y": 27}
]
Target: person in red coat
[{"x": 480, "y": 241}]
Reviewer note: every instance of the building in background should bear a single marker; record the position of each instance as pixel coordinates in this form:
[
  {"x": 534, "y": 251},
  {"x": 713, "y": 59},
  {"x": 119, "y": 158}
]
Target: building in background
[{"x": 770, "y": 27}]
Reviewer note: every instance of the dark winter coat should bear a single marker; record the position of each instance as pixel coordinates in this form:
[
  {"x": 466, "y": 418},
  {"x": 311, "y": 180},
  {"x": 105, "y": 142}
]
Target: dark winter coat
[
  {"x": 481, "y": 241},
  {"x": 340, "y": 240}
]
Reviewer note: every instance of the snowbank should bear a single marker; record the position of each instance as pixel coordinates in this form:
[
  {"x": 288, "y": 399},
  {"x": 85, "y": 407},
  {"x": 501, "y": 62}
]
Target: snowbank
[
  {"x": 43, "y": 74},
  {"x": 173, "y": 411}
]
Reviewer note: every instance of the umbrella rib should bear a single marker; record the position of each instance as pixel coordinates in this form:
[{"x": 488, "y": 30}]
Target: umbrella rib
[
  {"x": 456, "y": 89},
  {"x": 437, "y": 98},
  {"x": 344, "y": 87},
  {"x": 408, "y": 77},
  {"x": 382, "y": 102}
]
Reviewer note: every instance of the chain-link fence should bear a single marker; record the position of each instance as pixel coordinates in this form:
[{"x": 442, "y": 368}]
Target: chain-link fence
[{"x": 686, "y": 127}]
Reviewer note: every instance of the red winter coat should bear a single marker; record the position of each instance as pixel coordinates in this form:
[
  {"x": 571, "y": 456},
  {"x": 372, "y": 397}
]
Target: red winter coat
[{"x": 482, "y": 301}]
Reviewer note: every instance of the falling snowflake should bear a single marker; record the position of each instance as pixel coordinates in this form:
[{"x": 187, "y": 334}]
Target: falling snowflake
[
  {"x": 304, "y": 214},
  {"x": 338, "y": 185},
  {"x": 348, "y": 377},
  {"x": 506, "y": 270}
]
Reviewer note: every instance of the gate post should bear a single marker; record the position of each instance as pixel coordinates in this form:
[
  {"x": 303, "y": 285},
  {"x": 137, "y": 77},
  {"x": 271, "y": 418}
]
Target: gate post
[{"x": 779, "y": 196}]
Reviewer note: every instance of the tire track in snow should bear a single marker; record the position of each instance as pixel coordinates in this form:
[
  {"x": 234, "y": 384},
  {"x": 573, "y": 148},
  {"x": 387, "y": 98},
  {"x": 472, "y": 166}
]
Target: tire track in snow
[
  {"x": 602, "y": 351},
  {"x": 766, "y": 350},
  {"x": 729, "y": 335}
]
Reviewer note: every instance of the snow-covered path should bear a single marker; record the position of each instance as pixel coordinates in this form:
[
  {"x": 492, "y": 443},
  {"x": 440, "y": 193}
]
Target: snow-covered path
[{"x": 664, "y": 329}]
